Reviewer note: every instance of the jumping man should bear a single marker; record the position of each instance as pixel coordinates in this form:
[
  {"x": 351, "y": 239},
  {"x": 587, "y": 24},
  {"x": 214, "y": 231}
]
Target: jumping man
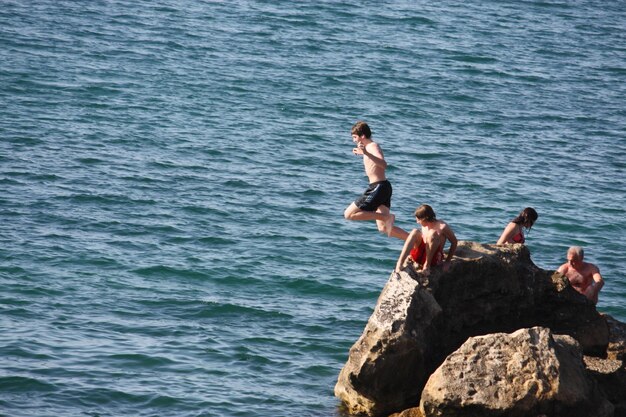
[{"x": 375, "y": 203}]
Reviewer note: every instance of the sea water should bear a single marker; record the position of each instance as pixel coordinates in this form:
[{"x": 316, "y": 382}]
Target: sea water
[{"x": 174, "y": 176}]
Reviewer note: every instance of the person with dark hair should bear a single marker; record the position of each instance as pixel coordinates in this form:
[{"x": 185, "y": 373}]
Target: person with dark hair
[
  {"x": 583, "y": 276},
  {"x": 514, "y": 231},
  {"x": 425, "y": 247},
  {"x": 375, "y": 203}
]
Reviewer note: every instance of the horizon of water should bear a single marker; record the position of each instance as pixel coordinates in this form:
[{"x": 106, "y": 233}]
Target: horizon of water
[{"x": 174, "y": 179}]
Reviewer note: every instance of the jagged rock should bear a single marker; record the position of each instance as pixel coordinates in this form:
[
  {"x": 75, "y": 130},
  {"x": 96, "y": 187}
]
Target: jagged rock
[
  {"x": 526, "y": 373},
  {"x": 617, "y": 339},
  {"x": 409, "y": 412},
  {"x": 392, "y": 350},
  {"x": 419, "y": 321},
  {"x": 610, "y": 372}
]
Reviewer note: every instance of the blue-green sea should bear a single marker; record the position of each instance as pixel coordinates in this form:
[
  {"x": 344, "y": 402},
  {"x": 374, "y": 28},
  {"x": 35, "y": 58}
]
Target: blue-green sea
[{"x": 173, "y": 177}]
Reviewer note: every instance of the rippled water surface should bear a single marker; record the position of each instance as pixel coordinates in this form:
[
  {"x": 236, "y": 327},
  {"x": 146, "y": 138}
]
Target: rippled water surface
[{"x": 174, "y": 176}]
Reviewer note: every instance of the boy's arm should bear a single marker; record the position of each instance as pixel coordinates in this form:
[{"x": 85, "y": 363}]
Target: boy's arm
[
  {"x": 406, "y": 249},
  {"x": 376, "y": 155},
  {"x": 449, "y": 233}
]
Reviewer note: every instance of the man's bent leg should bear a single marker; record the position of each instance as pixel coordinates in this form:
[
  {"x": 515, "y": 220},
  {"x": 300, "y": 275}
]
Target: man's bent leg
[
  {"x": 399, "y": 233},
  {"x": 386, "y": 225},
  {"x": 380, "y": 223},
  {"x": 396, "y": 232},
  {"x": 355, "y": 213}
]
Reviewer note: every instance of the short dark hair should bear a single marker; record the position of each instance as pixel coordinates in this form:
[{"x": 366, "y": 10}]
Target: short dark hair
[
  {"x": 425, "y": 212},
  {"x": 361, "y": 128}
]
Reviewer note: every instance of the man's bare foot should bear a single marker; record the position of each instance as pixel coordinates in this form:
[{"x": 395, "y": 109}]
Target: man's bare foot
[{"x": 389, "y": 224}]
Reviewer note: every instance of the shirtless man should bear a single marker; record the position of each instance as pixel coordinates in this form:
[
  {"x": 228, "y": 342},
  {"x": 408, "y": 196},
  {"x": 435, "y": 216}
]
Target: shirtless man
[
  {"x": 425, "y": 247},
  {"x": 583, "y": 276},
  {"x": 375, "y": 203}
]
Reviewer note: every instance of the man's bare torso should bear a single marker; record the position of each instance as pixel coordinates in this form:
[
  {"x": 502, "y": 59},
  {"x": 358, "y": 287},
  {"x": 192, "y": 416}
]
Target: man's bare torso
[
  {"x": 581, "y": 278},
  {"x": 375, "y": 173}
]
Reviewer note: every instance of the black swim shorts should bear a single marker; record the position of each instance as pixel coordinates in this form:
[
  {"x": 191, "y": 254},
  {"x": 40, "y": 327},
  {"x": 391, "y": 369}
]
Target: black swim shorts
[{"x": 377, "y": 194}]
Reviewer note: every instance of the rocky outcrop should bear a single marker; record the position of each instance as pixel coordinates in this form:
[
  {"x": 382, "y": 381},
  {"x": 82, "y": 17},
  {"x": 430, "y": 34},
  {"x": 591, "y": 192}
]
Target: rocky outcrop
[
  {"x": 616, "y": 349},
  {"x": 610, "y": 371},
  {"x": 527, "y": 373},
  {"x": 418, "y": 321}
]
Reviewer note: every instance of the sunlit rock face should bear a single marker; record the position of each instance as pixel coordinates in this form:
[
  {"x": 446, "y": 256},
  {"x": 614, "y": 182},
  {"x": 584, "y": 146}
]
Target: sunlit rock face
[{"x": 418, "y": 321}]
